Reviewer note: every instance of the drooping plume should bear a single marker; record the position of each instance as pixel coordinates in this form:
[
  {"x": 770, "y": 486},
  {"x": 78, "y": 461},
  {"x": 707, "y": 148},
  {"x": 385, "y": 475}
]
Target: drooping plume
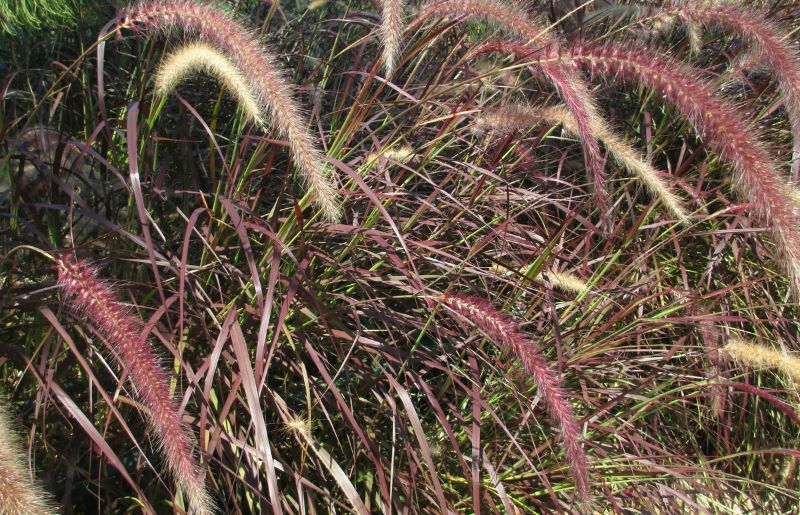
[
  {"x": 756, "y": 175},
  {"x": 505, "y": 333},
  {"x": 86, "y": 293},
  {"x": 518, "y": 117},
  {"x": 18, "y": 494},
  {"x": 570, "y": 86},
  {"x": 200, "y": 57},
  {"x": 255, "y": 62},
  {"x": 771, "y": 43}
]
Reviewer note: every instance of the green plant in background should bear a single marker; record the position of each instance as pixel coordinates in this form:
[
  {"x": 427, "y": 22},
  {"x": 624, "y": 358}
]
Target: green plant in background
[{"x": 21, "y": 15}]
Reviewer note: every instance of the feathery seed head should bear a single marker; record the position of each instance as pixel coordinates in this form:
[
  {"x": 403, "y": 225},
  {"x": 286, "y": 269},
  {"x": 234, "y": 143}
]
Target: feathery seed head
[
  {"x": 201, "y": 57},
  {"x": 403, "y": 154},
  {"x": 565, "y": 281},
  {"x": 391, "y": 31},
  {"x": 509, "y": 18},
  {"x": 96, "y": 300},
  {"x": 18, "y": 494},
  {"x": 503, "y": 331},
  {"x": 299, "y": 426},
  {"x": 256, "y": 64},
  {"x": 761, "y": 357}
]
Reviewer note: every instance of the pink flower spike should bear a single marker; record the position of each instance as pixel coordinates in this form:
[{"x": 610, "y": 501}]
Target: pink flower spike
[
  {"x": 86, "y": 293},
  {"x": 504, "y": 332}
]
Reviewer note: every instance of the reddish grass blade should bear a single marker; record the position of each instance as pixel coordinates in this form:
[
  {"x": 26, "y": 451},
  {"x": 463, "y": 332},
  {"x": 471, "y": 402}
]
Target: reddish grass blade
[{"x": 256, "y": 414}]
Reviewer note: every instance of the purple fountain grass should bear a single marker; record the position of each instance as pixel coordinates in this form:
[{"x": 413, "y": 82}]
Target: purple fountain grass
[
  {"x": 392, "y": 32},
  {"x": 771, "y": 42},
  {"x": 516, "y": 117},
  {"x": 504, "y": 332},
  {"x": 220, "y": 28},
  {"x": 18, "y": 494},
  {"x": 568, "y": 83},
  {"x": 717, "y": 121},
  {"x": 87, "y": 293}
]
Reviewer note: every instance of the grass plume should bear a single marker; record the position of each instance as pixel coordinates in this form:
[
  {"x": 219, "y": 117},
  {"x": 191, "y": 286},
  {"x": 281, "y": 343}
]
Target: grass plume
[
  {"x": 87, "y": 293},
  {"x": 519, "y": 117},
  {"x": 756, "y": 175},
  {"x": 201, "y": 57},
  {"x": 762, "y": 357},
  {"x": 570, "y": 86},
  {"x": 567, "y": 282},
  {"x": 402, "y": 154},
  {"x": 18, "y": 494},
  {"x": 505, "y": 333},
  {"x": 507, "y": 17},
  {"x": 771, "y": 43},
  {"x": 391, "y": 31},
  {"x": 220, "y": 28},
  {"x": 564, "y": 281}
]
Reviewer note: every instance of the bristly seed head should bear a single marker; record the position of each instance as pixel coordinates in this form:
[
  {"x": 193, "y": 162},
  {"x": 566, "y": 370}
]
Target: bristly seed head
[
  {"x": 86, "y": 293},
  {"x": 392, "y": 33},
  {"x": 18, "y": 494},
  {"x": 201, "y": 57},
  {"x": 760, "y": 357},
  {"x": 219, "y": 27},
  {"x": 772, "y": 43},
  {"x": 504, "y": 332}
]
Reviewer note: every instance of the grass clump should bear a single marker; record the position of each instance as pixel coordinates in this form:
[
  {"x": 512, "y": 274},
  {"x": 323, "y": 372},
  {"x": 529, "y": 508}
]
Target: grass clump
[{"x": 302, "y": 349}]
